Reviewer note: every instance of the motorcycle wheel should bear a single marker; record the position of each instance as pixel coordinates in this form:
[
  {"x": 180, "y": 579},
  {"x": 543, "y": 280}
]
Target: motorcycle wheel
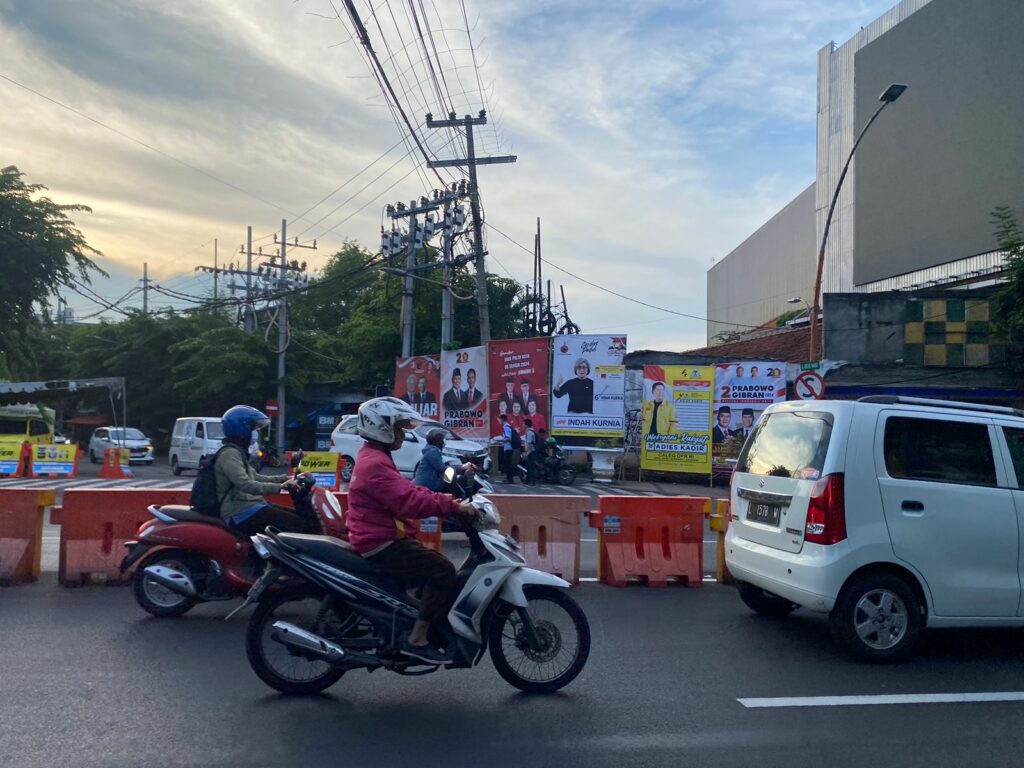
[
  {"x": 565, "y": 637},
  {"x": 565, "y": 475},
  {"x": 155, "y": 598},
  {"x": 275, "y": 664}
]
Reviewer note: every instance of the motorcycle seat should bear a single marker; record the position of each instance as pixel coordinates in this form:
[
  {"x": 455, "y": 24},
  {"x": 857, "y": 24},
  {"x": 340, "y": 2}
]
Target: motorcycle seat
[
  {"x": 184, "y": 514},
  {"x": 329, "y": 549}
]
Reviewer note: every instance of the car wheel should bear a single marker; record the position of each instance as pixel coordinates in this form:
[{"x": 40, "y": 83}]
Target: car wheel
[
  {"x": 765, "y": 603},
  {"x": 175, "y": 468},
  {"x": 877, "y": 618},
  {"x": 346, "y": 470}
]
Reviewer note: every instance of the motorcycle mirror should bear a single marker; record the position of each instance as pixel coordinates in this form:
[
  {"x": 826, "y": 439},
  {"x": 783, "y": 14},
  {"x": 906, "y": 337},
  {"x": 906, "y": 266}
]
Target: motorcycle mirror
[
  {"x": 296, "y": 459},
  {"x": 449, "y": 475}
]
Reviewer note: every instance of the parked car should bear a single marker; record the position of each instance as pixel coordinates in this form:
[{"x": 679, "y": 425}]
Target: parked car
[
  {"x": 345, "y": 441},
  {"x": 194, "y": 437},
  {"x": 140, "y": 446},
  {"x": 889, "y": 513}
]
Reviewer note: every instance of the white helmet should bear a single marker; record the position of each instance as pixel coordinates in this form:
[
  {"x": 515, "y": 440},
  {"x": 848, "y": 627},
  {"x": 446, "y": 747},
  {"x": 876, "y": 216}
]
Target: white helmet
[{"x": 377, "y": 418}]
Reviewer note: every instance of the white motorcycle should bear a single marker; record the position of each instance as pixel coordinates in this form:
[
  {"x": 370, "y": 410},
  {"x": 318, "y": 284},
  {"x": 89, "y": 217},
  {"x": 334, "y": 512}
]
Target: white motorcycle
[{"x": 323, "y": 611}]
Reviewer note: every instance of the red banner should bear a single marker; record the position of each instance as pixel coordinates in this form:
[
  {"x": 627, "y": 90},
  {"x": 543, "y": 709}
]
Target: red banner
[
  {"x": 519, "y": 383},
  {"x": 418, "y": 382}
]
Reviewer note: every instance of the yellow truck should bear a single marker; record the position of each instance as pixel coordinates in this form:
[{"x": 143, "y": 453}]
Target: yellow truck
[{"x": 21, "y": 423}]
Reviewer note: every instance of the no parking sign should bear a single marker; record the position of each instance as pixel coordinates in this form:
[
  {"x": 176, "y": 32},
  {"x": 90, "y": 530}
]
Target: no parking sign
[{"x": 809, "y": 385}]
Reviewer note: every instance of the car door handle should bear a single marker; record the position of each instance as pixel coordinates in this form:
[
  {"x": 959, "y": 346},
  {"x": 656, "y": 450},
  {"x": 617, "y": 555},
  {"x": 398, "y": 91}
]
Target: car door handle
[{"x": 912, "y": 506}]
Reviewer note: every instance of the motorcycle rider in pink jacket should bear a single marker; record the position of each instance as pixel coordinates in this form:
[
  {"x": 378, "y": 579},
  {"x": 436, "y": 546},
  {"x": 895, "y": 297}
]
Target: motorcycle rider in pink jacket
[{"x": 381, "y": 507}]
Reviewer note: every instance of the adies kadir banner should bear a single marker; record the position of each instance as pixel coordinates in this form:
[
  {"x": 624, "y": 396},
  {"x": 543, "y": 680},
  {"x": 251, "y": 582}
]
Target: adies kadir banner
[
  {"x": 742, "y": 392},
  {"x": 418, "y": 382},
  {"x": 518, "y": 370},
  {"x": 676, "y": 418},
  {"x": 464, "y": 392},
  {"x": 588, "y": 378}
]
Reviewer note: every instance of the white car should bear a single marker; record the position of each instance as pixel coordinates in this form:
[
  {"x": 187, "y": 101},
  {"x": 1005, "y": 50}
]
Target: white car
[
  {"x": 345, "y": 441},
  {"x": 140, "y": 446},
  {"x": 889, "y": 513}
]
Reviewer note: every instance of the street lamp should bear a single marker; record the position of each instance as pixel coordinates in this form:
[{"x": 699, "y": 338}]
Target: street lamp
[{"x": 889, "y": 95}]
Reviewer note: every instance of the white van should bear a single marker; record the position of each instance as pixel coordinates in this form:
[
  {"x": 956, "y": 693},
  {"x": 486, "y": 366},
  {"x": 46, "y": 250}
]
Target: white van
[
  {"x": 193, "y": 438},
  {"x": 889, "y": 513}
]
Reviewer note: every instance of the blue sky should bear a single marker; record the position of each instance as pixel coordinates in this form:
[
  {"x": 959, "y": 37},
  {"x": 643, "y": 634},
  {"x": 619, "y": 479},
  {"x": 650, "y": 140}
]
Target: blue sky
[{"x": 653, "y": 137}]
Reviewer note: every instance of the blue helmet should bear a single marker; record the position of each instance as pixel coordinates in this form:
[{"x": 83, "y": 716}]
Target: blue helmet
[{"x": 240, "y": 421}]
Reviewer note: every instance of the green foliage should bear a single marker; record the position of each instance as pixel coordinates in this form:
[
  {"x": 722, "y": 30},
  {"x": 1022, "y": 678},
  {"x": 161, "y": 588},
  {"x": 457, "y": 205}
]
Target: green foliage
[
  {"x": 40, "y": 250},
  {"x": 1010, "y": 299},
  {"x": 727, "y": 337}
]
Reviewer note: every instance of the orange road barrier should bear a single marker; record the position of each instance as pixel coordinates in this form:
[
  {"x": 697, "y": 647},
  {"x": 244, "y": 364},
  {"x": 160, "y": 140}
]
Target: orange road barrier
[
  {"x": 21, "y": 533},
  {"x": 547, "y": 529},
  {"x": 95, "y": 524},
  {"x": 116, "y": 464},
  {"x": 718, "y": 518},
  {"x": 13, "y": 459},
  {"x": 653, "y": 541}
]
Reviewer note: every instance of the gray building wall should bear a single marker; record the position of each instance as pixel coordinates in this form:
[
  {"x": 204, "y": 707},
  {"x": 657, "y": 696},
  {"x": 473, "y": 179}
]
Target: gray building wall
[
  {"x": 957, "y": 135},
  {"x": 750, "y": 286},
  {"x": 864, "y": 327}
]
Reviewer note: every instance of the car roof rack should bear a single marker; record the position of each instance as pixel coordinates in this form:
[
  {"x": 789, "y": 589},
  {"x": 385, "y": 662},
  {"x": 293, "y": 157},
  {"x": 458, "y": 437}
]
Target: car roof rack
[{"x": 933, "y": 403}]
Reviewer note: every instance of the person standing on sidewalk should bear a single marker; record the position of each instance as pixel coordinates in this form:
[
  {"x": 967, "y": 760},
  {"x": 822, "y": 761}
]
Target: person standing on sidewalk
[
  {"x": 507, "y": 453},
  {"x": 530, "y": 452}
]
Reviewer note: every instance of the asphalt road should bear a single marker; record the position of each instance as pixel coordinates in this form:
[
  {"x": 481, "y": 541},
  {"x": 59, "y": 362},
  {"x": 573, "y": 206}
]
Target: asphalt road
[{"x": 89, "y": 680}]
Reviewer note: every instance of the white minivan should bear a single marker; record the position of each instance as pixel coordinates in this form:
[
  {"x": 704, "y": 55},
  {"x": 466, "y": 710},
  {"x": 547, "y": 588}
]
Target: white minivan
[
  {"x": 889, "y": 513},
  {"x": 194, "y": 437}
]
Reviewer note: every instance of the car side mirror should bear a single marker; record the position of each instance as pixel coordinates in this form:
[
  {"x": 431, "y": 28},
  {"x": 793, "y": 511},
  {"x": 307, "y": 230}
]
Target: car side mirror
[{"x": 449, "y": 475}]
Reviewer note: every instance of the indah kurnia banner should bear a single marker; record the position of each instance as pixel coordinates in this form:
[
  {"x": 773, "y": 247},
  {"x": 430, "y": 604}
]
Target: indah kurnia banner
[
  {"x": 676, "y": 418},
  {"x": 518, "y": 371},
  {"x": 588, "y": 378},
  {"x": 742, "y": 392},
  {"x": 464, "y": 392},
  {"x": 418, "y": 382}
]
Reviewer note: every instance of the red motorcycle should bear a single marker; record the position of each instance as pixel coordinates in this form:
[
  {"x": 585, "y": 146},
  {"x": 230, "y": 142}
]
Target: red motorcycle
[{"x": 184, "y": 558}]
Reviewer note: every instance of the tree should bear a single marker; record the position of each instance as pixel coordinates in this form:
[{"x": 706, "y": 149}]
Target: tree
[
  {"x": 40, "y": 250},
  {"x": 1010, "y": 299}
]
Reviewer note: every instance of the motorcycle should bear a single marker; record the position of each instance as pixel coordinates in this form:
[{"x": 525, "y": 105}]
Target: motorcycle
[
  {"x": 553, "y": 469},
  {"x": 182, "y": 558},
  {"x": 332, "y": 612}
]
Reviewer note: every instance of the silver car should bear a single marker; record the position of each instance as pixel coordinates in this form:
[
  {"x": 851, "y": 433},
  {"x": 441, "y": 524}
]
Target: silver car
[{"x": 141, "y": 447}]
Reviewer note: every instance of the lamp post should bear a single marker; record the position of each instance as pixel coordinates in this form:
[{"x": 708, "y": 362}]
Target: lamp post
[{"x": 888, "y": 96}]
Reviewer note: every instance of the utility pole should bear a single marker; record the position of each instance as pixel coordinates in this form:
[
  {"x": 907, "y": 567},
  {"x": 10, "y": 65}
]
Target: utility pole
[
  {"x": 282, "y": 338},
  {"x": 145, "y": 287},
  {"x": 471, "y": 161},
  {"x": 215, "y": 270}
]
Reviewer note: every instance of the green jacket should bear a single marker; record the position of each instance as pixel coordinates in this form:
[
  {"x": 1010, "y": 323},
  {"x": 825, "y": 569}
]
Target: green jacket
[{"x": 239, "y": 485}]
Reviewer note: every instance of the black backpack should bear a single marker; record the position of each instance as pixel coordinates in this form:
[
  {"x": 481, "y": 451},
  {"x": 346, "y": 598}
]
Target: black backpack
[
  {"x": 517, "y": 441},
  {"x": 204, "y": 499}
]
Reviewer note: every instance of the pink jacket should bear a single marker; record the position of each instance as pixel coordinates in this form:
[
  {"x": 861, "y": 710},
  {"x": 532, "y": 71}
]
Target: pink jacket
[{"x": 382, "y": 504}]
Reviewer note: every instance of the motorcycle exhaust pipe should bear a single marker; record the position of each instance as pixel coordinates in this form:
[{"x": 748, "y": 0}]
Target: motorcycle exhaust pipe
[
  {"x": 299, "y": 639},
  {"x": 176, "y": 581}
]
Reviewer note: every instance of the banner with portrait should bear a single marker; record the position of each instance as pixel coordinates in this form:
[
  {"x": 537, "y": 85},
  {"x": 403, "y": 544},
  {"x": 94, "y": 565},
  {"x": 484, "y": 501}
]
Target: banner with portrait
[
  {"x": 418, "y": 382},
  {"x": 464, "y": 392},
  {"x": 518, "y": 372},
  {"x": 588, "y": 390},
  {"x": 675, "y": 423},
  {"x": 742, "y": 392}
]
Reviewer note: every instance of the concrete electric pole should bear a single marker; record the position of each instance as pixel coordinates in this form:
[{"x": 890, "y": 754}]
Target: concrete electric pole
[{"x": 471, "y": 161}]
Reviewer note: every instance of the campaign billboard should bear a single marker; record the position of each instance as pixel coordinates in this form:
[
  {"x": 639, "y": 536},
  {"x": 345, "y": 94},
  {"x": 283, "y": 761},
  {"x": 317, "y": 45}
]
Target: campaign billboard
[
  {"x": 418, "y": 382},
  {"x": 742, "y": 392},
  {"x": 464, "y": 392},
  {"x": 588, "y": 378},
  {"x": 675, "y": 419},
  {"x": 518, "y": 371}
]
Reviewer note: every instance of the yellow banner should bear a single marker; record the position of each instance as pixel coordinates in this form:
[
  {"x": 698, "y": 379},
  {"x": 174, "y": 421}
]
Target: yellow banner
[
  {"x": 51, "y": 459},
  {"x": 325, "y": 462},
  {"x": 676, "y": 418},
  {"x": 10, "y": 451}
]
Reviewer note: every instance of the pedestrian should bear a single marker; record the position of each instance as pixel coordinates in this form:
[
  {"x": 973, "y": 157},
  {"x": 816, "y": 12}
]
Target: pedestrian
[
  {"x": 530, "y": 452},
  {"x": 507, "y": 454}
]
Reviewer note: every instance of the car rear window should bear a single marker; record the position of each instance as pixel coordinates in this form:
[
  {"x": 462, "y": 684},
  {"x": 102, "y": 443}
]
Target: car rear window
[
  {"x": 788, "y": 445},
  {"x": 939, "y": 451}
]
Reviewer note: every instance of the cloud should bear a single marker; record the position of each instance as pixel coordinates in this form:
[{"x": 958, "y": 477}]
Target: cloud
[{"x": 652, "y": 137}]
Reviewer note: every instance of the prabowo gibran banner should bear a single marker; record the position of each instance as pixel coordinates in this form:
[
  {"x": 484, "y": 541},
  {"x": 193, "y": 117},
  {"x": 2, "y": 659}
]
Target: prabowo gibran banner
[
  {"x": 464, "y": 392},
  {"x": 588, "y": 390},
  {"x": 742, "y": 392},
  {"x": 676, "y": 418}
]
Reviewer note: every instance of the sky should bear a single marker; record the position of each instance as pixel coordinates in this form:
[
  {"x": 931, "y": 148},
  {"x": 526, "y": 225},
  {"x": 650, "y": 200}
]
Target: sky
[{"x": 652, "y": 137}]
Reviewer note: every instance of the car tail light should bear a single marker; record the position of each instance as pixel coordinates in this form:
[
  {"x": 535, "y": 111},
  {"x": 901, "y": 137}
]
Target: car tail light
[{"x": 826, "y": 513}]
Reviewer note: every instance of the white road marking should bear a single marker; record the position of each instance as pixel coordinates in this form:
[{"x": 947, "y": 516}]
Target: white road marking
[{"x": 887, "y": 699}]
